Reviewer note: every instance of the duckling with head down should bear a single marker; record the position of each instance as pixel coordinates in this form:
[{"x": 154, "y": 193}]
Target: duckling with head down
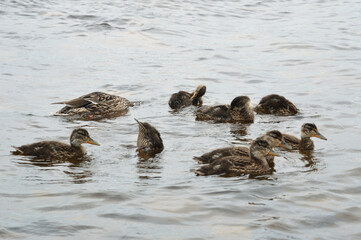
[
  {"x": 240, "y": 110},
  {"x": 149, "y": 141},
  {"x": 274, "y": 138},
  {"x": 94, "y": 105},
  {"x": 57, "y": 150},
  {"x": 183, "y": 99},
  {"x": 277, "y": 105},
  {"x": 255, "y": 164},
  {"x": 308, "y": 130}
]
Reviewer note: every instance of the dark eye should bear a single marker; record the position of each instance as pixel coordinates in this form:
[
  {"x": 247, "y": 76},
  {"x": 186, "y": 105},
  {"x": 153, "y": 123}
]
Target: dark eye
[
  {"x": 101, "y": 99},
  {"x": 108, "y": 97}
]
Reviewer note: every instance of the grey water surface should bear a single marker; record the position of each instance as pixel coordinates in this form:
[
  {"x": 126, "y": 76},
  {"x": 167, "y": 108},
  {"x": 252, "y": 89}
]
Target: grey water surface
[{"x": 307, "y": 51}]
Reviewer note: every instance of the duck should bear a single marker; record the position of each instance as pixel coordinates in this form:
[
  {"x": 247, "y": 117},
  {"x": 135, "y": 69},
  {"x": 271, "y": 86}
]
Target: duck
[
  {"x": 240, "y": 110},
  {"x": 274, "y": 138},
  {"x": 276, "y": 105},
  {"x": 94, "y": 105},
  {"x": 255, "y": 164},
  {"x": 183, "y": 99},
  {"x": 55, "y": 150},
  {"x": 149, "y": 140},
  {"x": 308, "y": 130}
]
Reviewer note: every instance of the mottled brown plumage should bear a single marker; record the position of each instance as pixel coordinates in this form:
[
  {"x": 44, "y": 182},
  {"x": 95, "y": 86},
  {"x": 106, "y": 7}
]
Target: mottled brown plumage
[
  {"x": 149, "y": 141},
  {"x": 183, "y": 99},
  {"x": 57, "y": 150},
  {"x": 274, "y": 138},
  {"x": 277, "y": 105},
  {"x": 240, "y": 110},
  {"x": 255, "y": 164},
  {"x": 308, "y": 130},
  {"x": 95, "y": 105}
]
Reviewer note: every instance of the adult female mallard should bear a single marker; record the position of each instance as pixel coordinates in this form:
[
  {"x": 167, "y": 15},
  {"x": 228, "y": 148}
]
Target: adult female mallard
[
  {"x": 94, "y": 105},
  {"x": 240, "y": 110},
  {"x": 274, "y": 138},
  {"x": 255, "y": 164},
  {"x": 184, "y": 99},
  {"x": 149, "y": 141},
  {"x": 308, "y": 130},
  {"x": 54, "y": 150},
  {"x": 277, "y": 105}
]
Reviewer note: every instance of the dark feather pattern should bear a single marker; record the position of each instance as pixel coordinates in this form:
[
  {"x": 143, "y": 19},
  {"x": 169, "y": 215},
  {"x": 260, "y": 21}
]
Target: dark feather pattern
[
  {"x": 277, "y": 105},
  {"x": 234, "y": 165},
  {"x": 95, "y": 105},
  {"x": 149, "y": 140},
  {"x": 240, "y": 110},
  {"x": 183, "y": 99},
  {"x": 57, "y": 150}
]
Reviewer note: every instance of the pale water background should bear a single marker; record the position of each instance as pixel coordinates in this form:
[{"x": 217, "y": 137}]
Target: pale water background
[{"x": 308, "y": 51}]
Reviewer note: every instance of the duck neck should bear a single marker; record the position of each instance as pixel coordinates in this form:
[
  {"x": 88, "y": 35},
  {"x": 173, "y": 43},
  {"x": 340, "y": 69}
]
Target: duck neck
[
  {"x": 260, "y": 159},
  {"x": 242, "y": 114},
  {"x": 306, "y": 143}
]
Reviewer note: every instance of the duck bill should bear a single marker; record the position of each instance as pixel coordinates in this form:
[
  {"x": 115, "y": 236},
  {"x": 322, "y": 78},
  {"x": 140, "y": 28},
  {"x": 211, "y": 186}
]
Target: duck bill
[
  {"x": 272, "y": 153},
  {"x": 92, "y": 141},
  {"x": 285, "y": 145},
  {"x": 319, "y": 135}
]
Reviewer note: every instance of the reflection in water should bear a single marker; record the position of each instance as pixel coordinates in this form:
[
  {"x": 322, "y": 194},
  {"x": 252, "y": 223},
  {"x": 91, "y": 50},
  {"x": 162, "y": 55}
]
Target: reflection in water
[
  {"x": 77, "y": 168},
  {"x": 239, "y": 130},
  {"x": 149, "y": 167},
  {"x": 309, "y": 159}
]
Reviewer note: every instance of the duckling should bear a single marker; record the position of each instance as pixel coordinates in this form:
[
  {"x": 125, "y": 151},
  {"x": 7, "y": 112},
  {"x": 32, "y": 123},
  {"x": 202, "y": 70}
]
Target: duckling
[
  {"x": 149, "y": 141},
  {"x": 274, "y": 138},
  {"x": 95, "y": 104},
  {"x": 277, "y": 105},
  {"x": 183, "y": 99},
  {"x": 308, "y": 130},
  {"x": 255, "y": 164},
  {"x": 57, "y": 150},
  {"x": 240, "y": 110}
]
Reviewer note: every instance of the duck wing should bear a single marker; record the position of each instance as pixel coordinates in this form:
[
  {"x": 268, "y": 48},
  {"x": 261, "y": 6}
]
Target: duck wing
[{"x": 222, "y": 152}]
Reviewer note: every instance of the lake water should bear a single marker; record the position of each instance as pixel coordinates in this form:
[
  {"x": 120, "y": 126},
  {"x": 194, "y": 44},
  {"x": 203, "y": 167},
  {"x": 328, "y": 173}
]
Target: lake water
[{"x": 307, "y": 51}]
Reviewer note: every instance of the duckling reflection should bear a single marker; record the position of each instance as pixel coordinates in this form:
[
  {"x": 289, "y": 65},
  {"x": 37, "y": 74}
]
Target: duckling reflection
[
  {"x": 54, "y": 150},
  {"x": 183, "y": 99},
  {"x": 277, "y": 105},
  {"x": 240, "y": 110},
  {"x": 94, "y": 106},
  {"x": 255, "y": 164},
  {"x": 308, "y": 130},
  {"x": 78, "y": 168},
  {"x": 149, "y": 140}
]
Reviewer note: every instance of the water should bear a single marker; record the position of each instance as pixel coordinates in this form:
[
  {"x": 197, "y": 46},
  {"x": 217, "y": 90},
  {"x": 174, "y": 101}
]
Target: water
[{"x": 146, "y": 50}]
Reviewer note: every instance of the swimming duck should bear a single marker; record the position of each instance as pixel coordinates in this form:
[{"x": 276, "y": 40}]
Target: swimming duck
[
  {"x": 277, "y": 105},
  {"x": 308, "y": 130},
  {"x": 255, "y": 164},
  {"x": 149, "y": 141},
  {"x": 184, "y": 99},
  {"x": 274, "y": 138},
  {"x": 240, "y": 110},
  {"x": 57, "y": 150},
  {"x": 94, "y": 105}
]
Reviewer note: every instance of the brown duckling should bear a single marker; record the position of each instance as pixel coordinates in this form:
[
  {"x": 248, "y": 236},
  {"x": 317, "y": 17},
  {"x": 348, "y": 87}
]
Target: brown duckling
[
  {"x": 274, "y": 138},
  {"x": 255, "y": 164},
  {"x": 240, "y": 110},
  {"x": 149, "y": 141},
  {"x": 277, "y": 105},
  {"x": 183, "y": 99},
  {"x": 57, "y": 150},
  {"x": 308, "y": 130},
  {"x": 94, "y": 105}
]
